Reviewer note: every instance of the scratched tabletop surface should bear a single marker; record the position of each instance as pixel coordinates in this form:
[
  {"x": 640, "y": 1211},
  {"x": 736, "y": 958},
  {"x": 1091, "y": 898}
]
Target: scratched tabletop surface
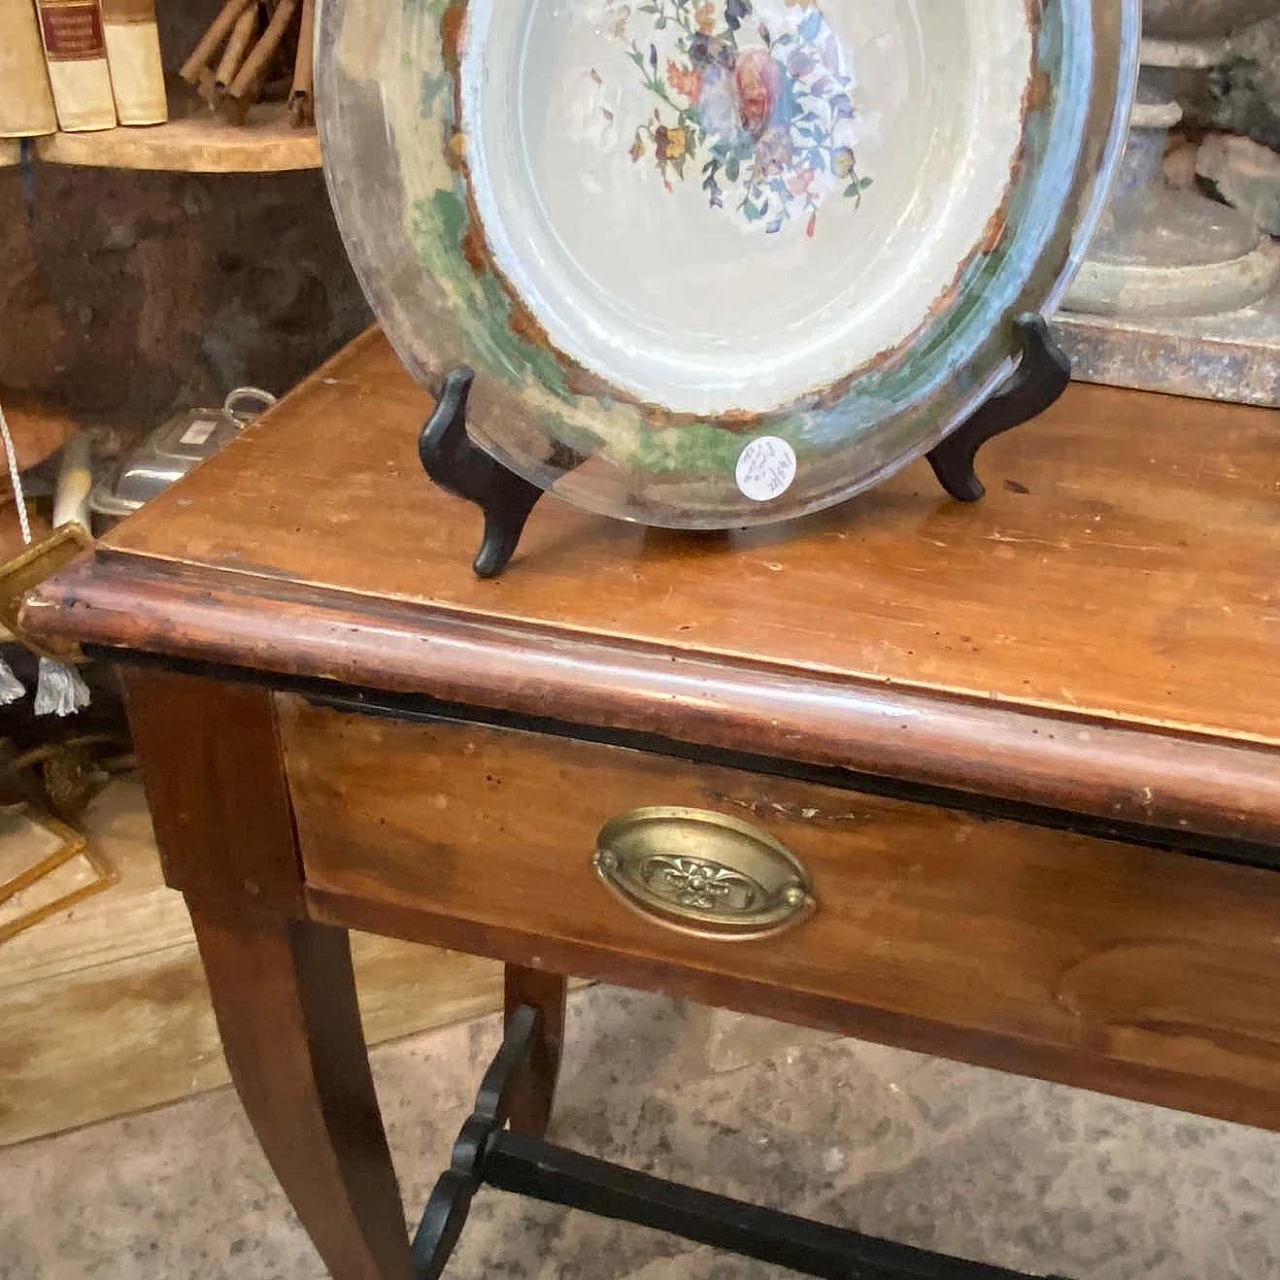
[{"x": 1123, "y": 564}]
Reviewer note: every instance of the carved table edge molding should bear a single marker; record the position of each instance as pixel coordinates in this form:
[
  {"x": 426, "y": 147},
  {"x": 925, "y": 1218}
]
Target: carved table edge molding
[{"x": 1167, "y": 779}]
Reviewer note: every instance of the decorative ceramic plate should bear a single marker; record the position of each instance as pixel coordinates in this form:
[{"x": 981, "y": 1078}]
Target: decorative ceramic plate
[{"x": 718, "y": 262}]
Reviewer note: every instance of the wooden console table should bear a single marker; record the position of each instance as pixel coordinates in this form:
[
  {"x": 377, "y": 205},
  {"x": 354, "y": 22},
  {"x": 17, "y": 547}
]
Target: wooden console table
[{"x": 1025, "y": 756}]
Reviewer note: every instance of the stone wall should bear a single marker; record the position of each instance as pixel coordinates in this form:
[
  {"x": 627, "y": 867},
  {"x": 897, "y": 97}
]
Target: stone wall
[{"x": 124, "y": 296}]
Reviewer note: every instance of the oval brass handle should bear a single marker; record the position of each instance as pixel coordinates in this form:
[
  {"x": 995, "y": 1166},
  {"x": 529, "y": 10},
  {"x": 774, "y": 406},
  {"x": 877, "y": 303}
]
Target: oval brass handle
[{"x": 704, "y": 874}]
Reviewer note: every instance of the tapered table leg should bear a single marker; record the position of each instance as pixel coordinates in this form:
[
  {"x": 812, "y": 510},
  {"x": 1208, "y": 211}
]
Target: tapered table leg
[
  {"x": 285, "y": 999},
  {"x": 531, "y": 1106}
]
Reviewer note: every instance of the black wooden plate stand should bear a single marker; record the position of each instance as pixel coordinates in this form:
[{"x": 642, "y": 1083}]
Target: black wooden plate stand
[{"x": 457, "y": 464}]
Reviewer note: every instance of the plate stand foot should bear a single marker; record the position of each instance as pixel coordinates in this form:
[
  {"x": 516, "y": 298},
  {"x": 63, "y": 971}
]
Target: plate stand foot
[
  {"x": 488, "y": 1154},
  {"x": 459, "y": 466},
  {"x": 1040, "y": 379}
]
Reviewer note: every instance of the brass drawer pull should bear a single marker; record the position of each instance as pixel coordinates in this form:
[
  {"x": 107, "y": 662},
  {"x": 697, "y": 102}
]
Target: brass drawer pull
[{"x": 703, "y": 874}]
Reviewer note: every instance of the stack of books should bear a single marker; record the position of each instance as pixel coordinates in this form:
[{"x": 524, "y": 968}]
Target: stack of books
[{"x": 79, "y": 64}]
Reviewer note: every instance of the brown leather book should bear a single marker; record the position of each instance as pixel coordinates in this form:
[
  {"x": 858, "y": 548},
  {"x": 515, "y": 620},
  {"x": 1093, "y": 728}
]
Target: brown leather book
[
  {"x": 26, "y": 101},
  {"x": 133, "y": 53},
  {"x": 76, "y": 55}
]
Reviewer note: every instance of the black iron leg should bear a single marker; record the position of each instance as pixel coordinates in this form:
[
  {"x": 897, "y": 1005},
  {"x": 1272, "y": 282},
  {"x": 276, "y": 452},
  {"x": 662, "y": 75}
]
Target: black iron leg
[
  {"x": 486, "y": 1154},
  {"x": 1041, "y": 378},
  {"x": 450, "y": 1202}
]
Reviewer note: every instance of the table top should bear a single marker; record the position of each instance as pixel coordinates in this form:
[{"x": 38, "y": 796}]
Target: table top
[{"x": 1101, "y": 633}]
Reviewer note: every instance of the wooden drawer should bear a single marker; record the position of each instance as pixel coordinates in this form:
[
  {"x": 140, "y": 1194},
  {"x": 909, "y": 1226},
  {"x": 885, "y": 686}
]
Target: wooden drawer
[{"x": 1138, "y": 971}]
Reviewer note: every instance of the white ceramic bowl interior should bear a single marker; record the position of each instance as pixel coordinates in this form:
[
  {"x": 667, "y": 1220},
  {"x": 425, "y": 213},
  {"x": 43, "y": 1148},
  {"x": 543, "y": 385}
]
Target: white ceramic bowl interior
[{"x": 695, "y": 308}]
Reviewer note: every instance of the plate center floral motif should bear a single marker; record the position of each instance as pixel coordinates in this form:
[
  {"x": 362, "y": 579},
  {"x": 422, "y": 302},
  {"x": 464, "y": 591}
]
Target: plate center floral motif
[{"x": 761, "y": 109}]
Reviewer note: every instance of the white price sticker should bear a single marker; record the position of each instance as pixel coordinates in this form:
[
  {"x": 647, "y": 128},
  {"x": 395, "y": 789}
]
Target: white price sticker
[
  {"x": 766, "y": 469},
  {"x": 199, "y": 432}
]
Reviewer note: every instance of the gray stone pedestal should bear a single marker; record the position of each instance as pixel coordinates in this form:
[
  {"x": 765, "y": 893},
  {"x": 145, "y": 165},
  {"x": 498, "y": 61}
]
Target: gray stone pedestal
[{"x": 1181, "y": 293}]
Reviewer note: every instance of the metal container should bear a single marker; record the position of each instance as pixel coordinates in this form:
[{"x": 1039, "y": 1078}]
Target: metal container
[{"x": 172, "y": 450}]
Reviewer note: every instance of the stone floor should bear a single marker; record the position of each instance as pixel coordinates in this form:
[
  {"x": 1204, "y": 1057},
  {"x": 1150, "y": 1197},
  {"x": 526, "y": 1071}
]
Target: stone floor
[{"x": 1028, "y": 1175}]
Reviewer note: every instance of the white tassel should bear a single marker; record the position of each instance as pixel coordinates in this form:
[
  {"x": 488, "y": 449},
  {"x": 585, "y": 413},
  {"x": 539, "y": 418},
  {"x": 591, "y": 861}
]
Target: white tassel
[
  {"x": 59, "y": 691},
  {"x": 11, "y": 688}
]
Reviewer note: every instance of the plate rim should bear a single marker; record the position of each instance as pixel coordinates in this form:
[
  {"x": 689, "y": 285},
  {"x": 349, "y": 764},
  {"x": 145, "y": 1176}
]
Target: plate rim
[{"x": 1087, "y": 186}]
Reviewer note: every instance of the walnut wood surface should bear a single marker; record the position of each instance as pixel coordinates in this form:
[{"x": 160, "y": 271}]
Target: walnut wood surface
[
  {"x": 1079, "y": 764},
  {"x": 211, "y": 768},
  {"x": 530, "y": 1109},
  {"x": 1134, "y": 578},
  {"x": 282, "y": 987},
  {"x": 1136, "y": 971},
  {"x": 285, "y": 998},
  {"x": 1099, "y": 634}
]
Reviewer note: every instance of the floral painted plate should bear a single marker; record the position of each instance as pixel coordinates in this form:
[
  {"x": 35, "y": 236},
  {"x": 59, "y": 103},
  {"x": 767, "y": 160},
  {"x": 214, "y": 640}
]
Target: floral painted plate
[{"x": 718, "y": 262}]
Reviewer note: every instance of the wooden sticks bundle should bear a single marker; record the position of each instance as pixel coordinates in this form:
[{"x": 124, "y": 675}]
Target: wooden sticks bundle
[{"x": 247, "y": 52}]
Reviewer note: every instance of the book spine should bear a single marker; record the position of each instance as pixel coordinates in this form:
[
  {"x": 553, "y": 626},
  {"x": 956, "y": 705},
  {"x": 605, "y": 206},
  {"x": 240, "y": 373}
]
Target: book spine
[
  {"x": 77, "y": 58},
  {"x": 26, "y": 101},
  {"x": 133, "y": 53}
]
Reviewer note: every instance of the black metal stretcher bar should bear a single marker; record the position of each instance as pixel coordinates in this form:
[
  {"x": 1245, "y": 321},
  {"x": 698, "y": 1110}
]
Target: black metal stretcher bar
[{"x": 487, "y": 1155}]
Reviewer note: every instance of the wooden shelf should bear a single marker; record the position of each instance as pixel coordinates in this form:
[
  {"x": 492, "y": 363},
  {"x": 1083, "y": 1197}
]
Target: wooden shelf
[{"x": 198, "y": 143}]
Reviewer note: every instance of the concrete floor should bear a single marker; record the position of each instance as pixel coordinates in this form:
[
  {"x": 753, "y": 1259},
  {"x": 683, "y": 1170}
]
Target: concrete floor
[{"x": 1028, "y": 1175}]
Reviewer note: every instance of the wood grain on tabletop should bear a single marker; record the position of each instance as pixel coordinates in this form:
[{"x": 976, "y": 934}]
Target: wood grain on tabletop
[
  {"x": 1094, "y": 963},
  {"x": 1123, "y": 561}
]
